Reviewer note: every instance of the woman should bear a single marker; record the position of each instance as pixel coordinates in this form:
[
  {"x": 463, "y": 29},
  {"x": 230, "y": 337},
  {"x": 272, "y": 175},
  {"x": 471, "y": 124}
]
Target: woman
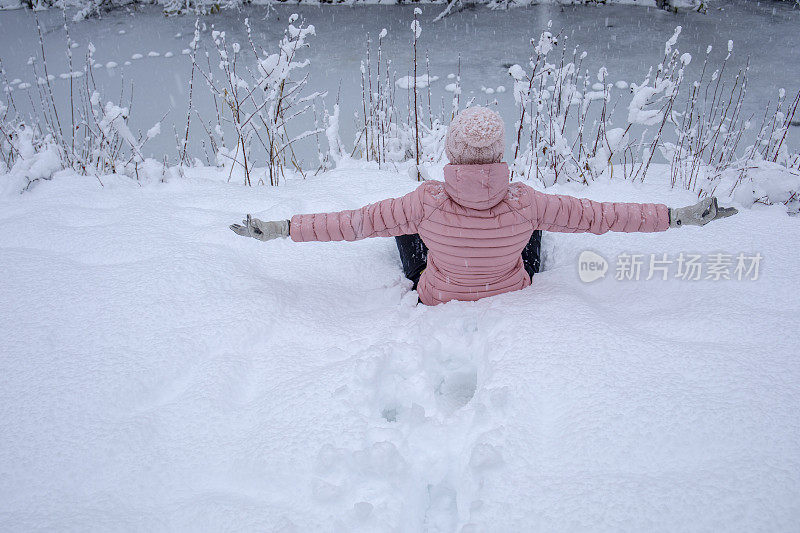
[{"x": 469, "y": 233}]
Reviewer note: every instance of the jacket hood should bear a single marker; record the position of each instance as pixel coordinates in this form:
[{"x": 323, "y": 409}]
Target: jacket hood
[{"x": 476, "y": 186}]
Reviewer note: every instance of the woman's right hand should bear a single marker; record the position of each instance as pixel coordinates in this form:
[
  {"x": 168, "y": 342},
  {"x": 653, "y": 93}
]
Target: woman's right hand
[{"x": 263, "y": 231}]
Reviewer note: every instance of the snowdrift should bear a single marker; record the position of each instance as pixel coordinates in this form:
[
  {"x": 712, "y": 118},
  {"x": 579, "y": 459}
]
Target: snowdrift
[{"x": 157, "y": 372}]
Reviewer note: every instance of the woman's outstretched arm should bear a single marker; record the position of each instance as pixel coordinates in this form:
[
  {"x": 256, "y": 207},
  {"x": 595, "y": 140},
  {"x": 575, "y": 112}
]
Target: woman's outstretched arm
[
  {"x": 556, "y": 212},
  {"x": 387, "y": 218}
]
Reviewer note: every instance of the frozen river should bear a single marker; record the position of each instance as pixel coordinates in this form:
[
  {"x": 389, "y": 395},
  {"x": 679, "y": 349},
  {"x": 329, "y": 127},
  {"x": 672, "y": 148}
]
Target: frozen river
[{"x": 626, "y": 40}]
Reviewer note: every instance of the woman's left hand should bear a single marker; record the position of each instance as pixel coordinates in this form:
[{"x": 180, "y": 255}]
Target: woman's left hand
[{"x": 699, "y": 214}]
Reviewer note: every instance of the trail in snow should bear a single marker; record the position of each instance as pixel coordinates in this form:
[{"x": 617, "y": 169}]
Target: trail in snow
[
  {"x": 159, "y": 372},
  {"x": 425, "y": 415}
]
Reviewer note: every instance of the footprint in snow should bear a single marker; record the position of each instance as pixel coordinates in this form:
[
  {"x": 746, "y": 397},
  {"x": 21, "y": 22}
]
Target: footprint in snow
[
  {"x": 455, "y": 390},
  {"x": 442, "y": 512}
]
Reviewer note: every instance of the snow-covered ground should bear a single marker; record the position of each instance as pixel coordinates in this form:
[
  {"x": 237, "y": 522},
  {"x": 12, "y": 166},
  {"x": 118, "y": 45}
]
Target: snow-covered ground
[{"x": 157, "y": 372}]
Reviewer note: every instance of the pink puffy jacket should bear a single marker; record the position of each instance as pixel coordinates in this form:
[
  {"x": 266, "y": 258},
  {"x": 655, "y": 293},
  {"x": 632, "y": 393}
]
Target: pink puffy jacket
[{"x": 475, "y": 226}]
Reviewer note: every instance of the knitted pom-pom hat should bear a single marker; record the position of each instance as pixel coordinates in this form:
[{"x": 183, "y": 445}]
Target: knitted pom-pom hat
[{"x": 476, "y": 136}]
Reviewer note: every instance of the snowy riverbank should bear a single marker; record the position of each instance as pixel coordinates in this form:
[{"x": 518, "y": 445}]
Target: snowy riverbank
[
  {"x": 140, "y": 53},
  {"x": 159, "y": 373}
]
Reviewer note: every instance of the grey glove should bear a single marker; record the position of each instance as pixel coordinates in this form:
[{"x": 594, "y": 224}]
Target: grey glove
[
  {"x": 263, "y": 231},
  {"x": 699, "y": 214}
]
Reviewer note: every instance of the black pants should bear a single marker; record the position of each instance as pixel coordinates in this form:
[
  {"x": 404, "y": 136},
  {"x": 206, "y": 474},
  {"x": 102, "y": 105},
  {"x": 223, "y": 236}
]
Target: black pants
[{"x": 414, "y": 255}]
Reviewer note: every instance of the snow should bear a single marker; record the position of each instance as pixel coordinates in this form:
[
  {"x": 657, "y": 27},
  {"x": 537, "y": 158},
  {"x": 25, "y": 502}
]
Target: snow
[
  {"x": 642, "y": 96},
  {"x": 160, "y": 373},
  {"x": 407, "y": 82},
  {"x": 32, "y": 165},
  {"x": 416, "y": 28},
  {"x": 516, "y": 72},
  {"x": 68, "y": 75},
  {"x": 332, "y": 135},
  {"x": 155, "y": 130},
  {"x": 672, "y": 40}
]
